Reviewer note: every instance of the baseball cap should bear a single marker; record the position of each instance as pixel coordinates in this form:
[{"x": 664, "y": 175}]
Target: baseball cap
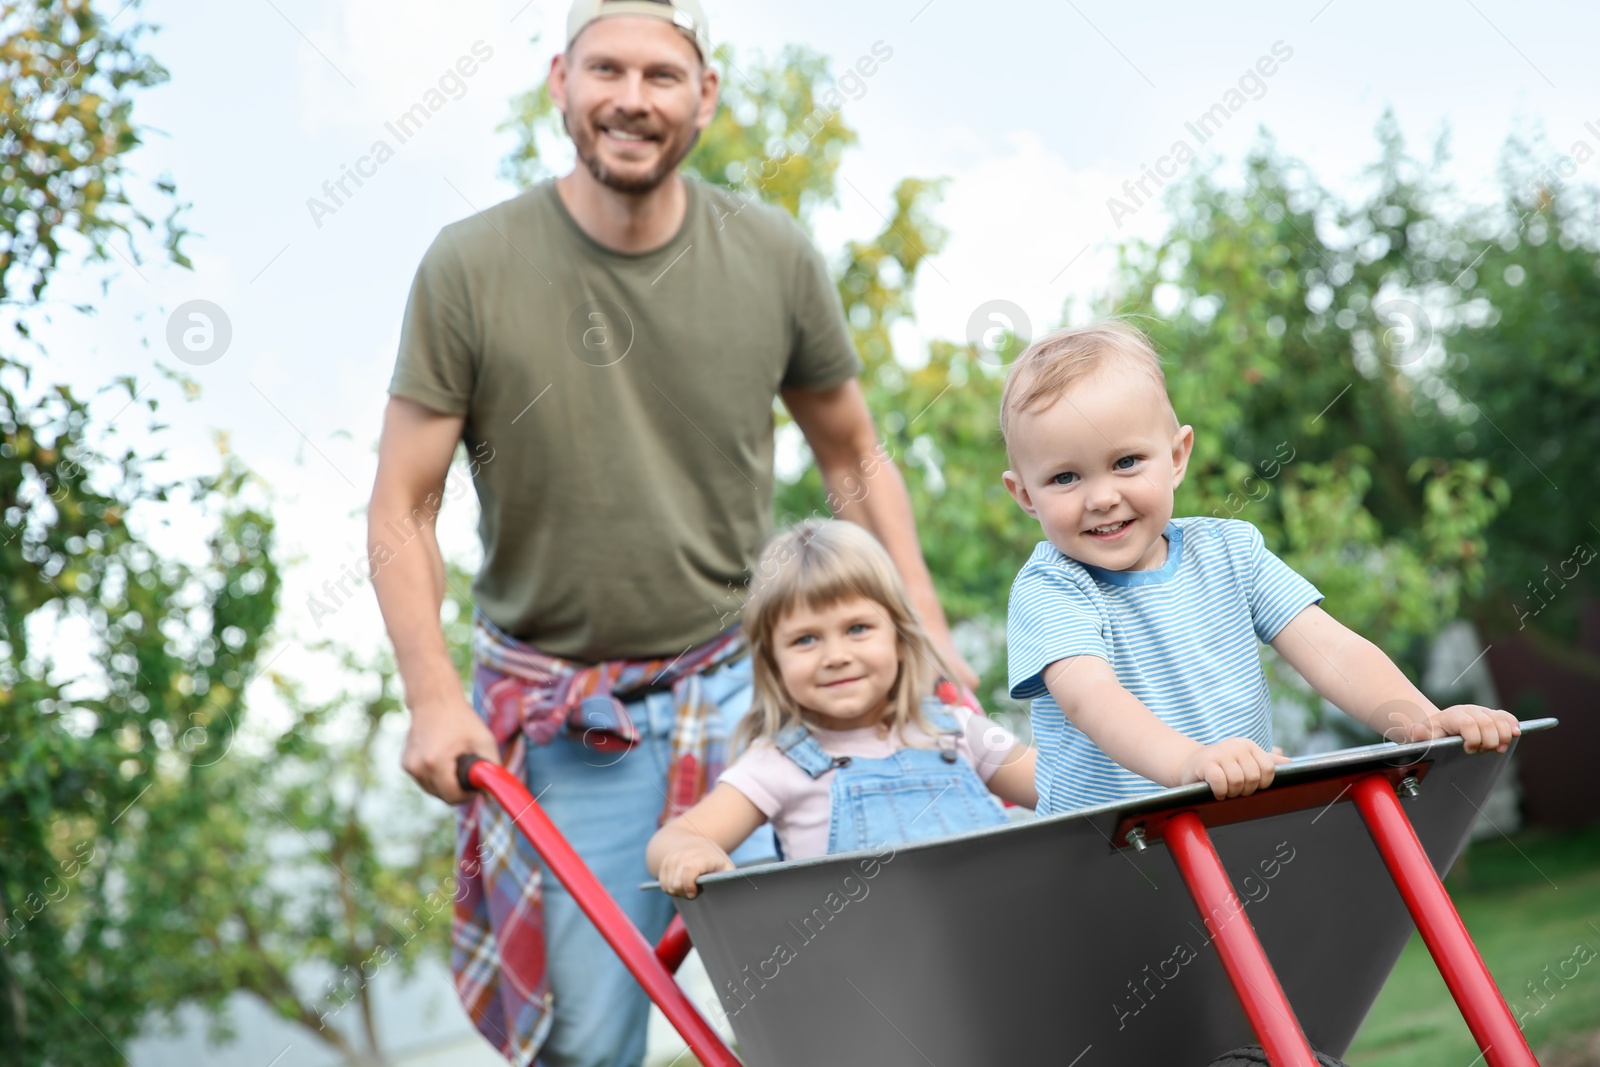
[{"x": 686, "y": 15}]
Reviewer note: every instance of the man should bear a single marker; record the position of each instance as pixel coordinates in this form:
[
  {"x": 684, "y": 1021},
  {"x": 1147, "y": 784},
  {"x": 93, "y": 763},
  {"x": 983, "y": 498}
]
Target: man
[{"x": 608, "y": 345}]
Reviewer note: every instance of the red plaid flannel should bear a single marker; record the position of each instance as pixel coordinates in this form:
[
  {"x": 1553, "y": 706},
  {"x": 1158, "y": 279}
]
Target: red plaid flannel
[{"x": 526, "y": 697}]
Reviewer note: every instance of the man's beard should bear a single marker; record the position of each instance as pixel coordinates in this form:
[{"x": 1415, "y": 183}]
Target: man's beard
[{"x": 589, "y": 156}]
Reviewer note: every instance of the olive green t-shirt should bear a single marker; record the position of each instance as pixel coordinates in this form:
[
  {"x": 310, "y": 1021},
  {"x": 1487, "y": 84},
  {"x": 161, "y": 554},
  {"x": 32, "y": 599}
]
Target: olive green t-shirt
[{"x": 619, "y": 409}]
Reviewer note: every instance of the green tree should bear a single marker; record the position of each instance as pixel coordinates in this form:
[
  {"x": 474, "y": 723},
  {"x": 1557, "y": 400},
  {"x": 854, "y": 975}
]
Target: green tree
[
  {"x": 297, "y": 861},
  {"x": 115, "y": 661},
  {"x": 1299, "y": 344},
  {"x": 66, "y": 95},
  {"x": 156, "y": 851},
  {"x": 1522, "y": 395},
  {"x": 1432, "y": 371}
]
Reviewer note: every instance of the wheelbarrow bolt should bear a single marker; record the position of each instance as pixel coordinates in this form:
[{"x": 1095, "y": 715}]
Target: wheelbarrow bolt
[
  {"x": 1136, "y": 839},
  {"x": 1407, "y": 786}
]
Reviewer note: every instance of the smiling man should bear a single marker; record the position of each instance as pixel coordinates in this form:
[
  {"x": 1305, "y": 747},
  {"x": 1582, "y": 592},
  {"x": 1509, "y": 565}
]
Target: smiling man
[{"x": 609, "y": 346}]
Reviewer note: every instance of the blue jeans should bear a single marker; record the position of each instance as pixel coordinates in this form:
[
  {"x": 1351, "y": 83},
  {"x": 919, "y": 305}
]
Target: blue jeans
[{"x": 606, "y": 805}]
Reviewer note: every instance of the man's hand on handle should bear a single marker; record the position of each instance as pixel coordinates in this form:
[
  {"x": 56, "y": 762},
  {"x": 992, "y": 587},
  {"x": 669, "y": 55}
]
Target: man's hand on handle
[{"x": 439, "y": 735}]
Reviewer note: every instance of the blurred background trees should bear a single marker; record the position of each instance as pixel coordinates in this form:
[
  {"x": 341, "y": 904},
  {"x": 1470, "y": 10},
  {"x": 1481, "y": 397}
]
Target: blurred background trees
[
  {"x": 1431, "y": 372},
  {"x": 151, "y": 853}
]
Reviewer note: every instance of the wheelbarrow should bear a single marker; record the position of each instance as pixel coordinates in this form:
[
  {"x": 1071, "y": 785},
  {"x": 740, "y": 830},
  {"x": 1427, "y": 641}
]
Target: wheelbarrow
[{"x": 1166, "y": 930}]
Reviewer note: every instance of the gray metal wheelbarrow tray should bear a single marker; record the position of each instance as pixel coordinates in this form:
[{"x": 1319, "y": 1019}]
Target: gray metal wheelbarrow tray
[{"x": 1077, "y": 939}]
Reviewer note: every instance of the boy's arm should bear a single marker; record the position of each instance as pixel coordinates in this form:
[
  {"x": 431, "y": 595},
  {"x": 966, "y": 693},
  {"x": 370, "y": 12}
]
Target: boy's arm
[
  {"x": 1130, "y": 733},
  {"x": 698, "y": 841},
  {"x": 1355, "y": 676}
]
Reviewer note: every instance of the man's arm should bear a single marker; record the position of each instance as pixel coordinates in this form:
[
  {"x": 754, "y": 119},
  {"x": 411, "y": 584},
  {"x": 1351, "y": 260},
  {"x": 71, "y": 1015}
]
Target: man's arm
[
  {"x": 864, "y": 487},
  {"x": 414, "y": 456}
]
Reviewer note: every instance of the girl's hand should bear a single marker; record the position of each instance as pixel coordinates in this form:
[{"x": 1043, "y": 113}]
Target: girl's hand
[
  {"x": 681, "y": 869},
  {"x": 1480, "y": 729},
  {"x": 1235, "y": 767}
]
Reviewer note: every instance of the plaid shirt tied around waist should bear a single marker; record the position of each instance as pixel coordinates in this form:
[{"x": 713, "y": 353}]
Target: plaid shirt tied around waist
[{"x": 526, "y": 697}]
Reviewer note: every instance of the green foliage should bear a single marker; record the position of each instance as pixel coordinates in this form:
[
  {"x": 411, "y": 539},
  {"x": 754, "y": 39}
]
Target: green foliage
[
  {"x": 533, "y": 118},
  {"x": 1523, "y": 398},
  {"x": 939, "y": 421},
  {"x": 290, "y": 859},
  {"x": 152, "y": 856},
  {"x": 771, "y": 137},
  {"x": 1434, "y": 377},
  {"x": 1276, "y": 309},
  {"x": 119, "y": 667},
  {"x": 66, "y": 84}
]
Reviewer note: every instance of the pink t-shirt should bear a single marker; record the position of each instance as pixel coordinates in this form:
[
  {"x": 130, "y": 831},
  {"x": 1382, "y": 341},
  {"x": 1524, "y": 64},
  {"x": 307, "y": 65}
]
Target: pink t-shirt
[{"x": 799, "y": 806}]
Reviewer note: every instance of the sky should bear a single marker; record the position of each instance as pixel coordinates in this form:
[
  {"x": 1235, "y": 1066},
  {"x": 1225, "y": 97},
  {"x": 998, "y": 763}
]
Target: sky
[{"x": 1036, "y": 114}]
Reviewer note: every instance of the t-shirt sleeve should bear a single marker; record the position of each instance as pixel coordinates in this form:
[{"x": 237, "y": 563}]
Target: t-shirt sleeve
[
  {"x": 984, "y": 742},
  {"x": 1050, "y": 618},
  {"x": 758, "y": 774},
  {"x": 822, "y": 354},
  {"x": 437, "y": 361},
  {"x": 1277, "y": 592}
]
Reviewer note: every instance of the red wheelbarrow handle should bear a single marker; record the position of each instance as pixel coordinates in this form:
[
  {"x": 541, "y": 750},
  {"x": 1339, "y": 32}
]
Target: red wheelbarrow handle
[{"x": 644, "y": 963}]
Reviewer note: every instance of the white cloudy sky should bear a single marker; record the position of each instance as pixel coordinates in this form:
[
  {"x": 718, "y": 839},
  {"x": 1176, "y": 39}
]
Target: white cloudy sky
[{"x": 1035, "y": 112}]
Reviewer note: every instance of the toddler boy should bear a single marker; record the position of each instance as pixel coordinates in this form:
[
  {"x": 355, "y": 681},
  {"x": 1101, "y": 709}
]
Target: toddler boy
[{"x": 1134, "y": 633}]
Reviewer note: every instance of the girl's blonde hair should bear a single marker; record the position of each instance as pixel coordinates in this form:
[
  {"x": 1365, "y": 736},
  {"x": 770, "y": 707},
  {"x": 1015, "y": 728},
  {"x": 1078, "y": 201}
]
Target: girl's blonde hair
[{"x": 817, "y": 564}]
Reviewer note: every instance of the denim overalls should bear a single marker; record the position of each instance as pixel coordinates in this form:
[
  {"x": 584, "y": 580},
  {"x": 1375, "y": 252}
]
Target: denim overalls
[{"x": 914, "y": 794}]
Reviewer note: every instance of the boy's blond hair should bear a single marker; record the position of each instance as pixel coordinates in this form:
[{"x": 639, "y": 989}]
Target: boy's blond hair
[
  {"x": 819, "y": 563},
  {"x": 1057, "y": 361}
]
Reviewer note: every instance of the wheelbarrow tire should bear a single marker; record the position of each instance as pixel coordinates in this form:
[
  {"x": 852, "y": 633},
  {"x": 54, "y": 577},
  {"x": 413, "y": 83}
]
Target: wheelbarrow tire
[{"x": 1254, "y": 1056}]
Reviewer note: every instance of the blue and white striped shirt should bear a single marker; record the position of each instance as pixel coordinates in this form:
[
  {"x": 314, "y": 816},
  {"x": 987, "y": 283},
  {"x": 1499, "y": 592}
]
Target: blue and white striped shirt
[{"x": 1182, "y": 638}]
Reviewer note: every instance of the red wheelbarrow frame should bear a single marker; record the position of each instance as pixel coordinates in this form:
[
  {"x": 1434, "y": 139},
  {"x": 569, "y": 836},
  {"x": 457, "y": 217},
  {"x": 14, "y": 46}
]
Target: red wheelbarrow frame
[
  {"x": 1183, "y": 829},
  {"x": 1376, "y": 797},
  {"x": 652, "y": 967}
]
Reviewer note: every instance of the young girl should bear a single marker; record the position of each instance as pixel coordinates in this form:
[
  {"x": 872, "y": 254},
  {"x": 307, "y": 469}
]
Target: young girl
[{"x": 845, "y": 746}]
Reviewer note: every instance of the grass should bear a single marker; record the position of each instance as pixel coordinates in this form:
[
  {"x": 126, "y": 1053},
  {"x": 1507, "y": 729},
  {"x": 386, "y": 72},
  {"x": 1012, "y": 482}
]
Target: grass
[{"x": 1529, "y": 903}]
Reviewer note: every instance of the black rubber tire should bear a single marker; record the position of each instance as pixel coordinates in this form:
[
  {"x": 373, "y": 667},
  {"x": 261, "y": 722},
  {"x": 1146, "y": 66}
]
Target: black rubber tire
[{"x": 1253, "y": 1056}]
